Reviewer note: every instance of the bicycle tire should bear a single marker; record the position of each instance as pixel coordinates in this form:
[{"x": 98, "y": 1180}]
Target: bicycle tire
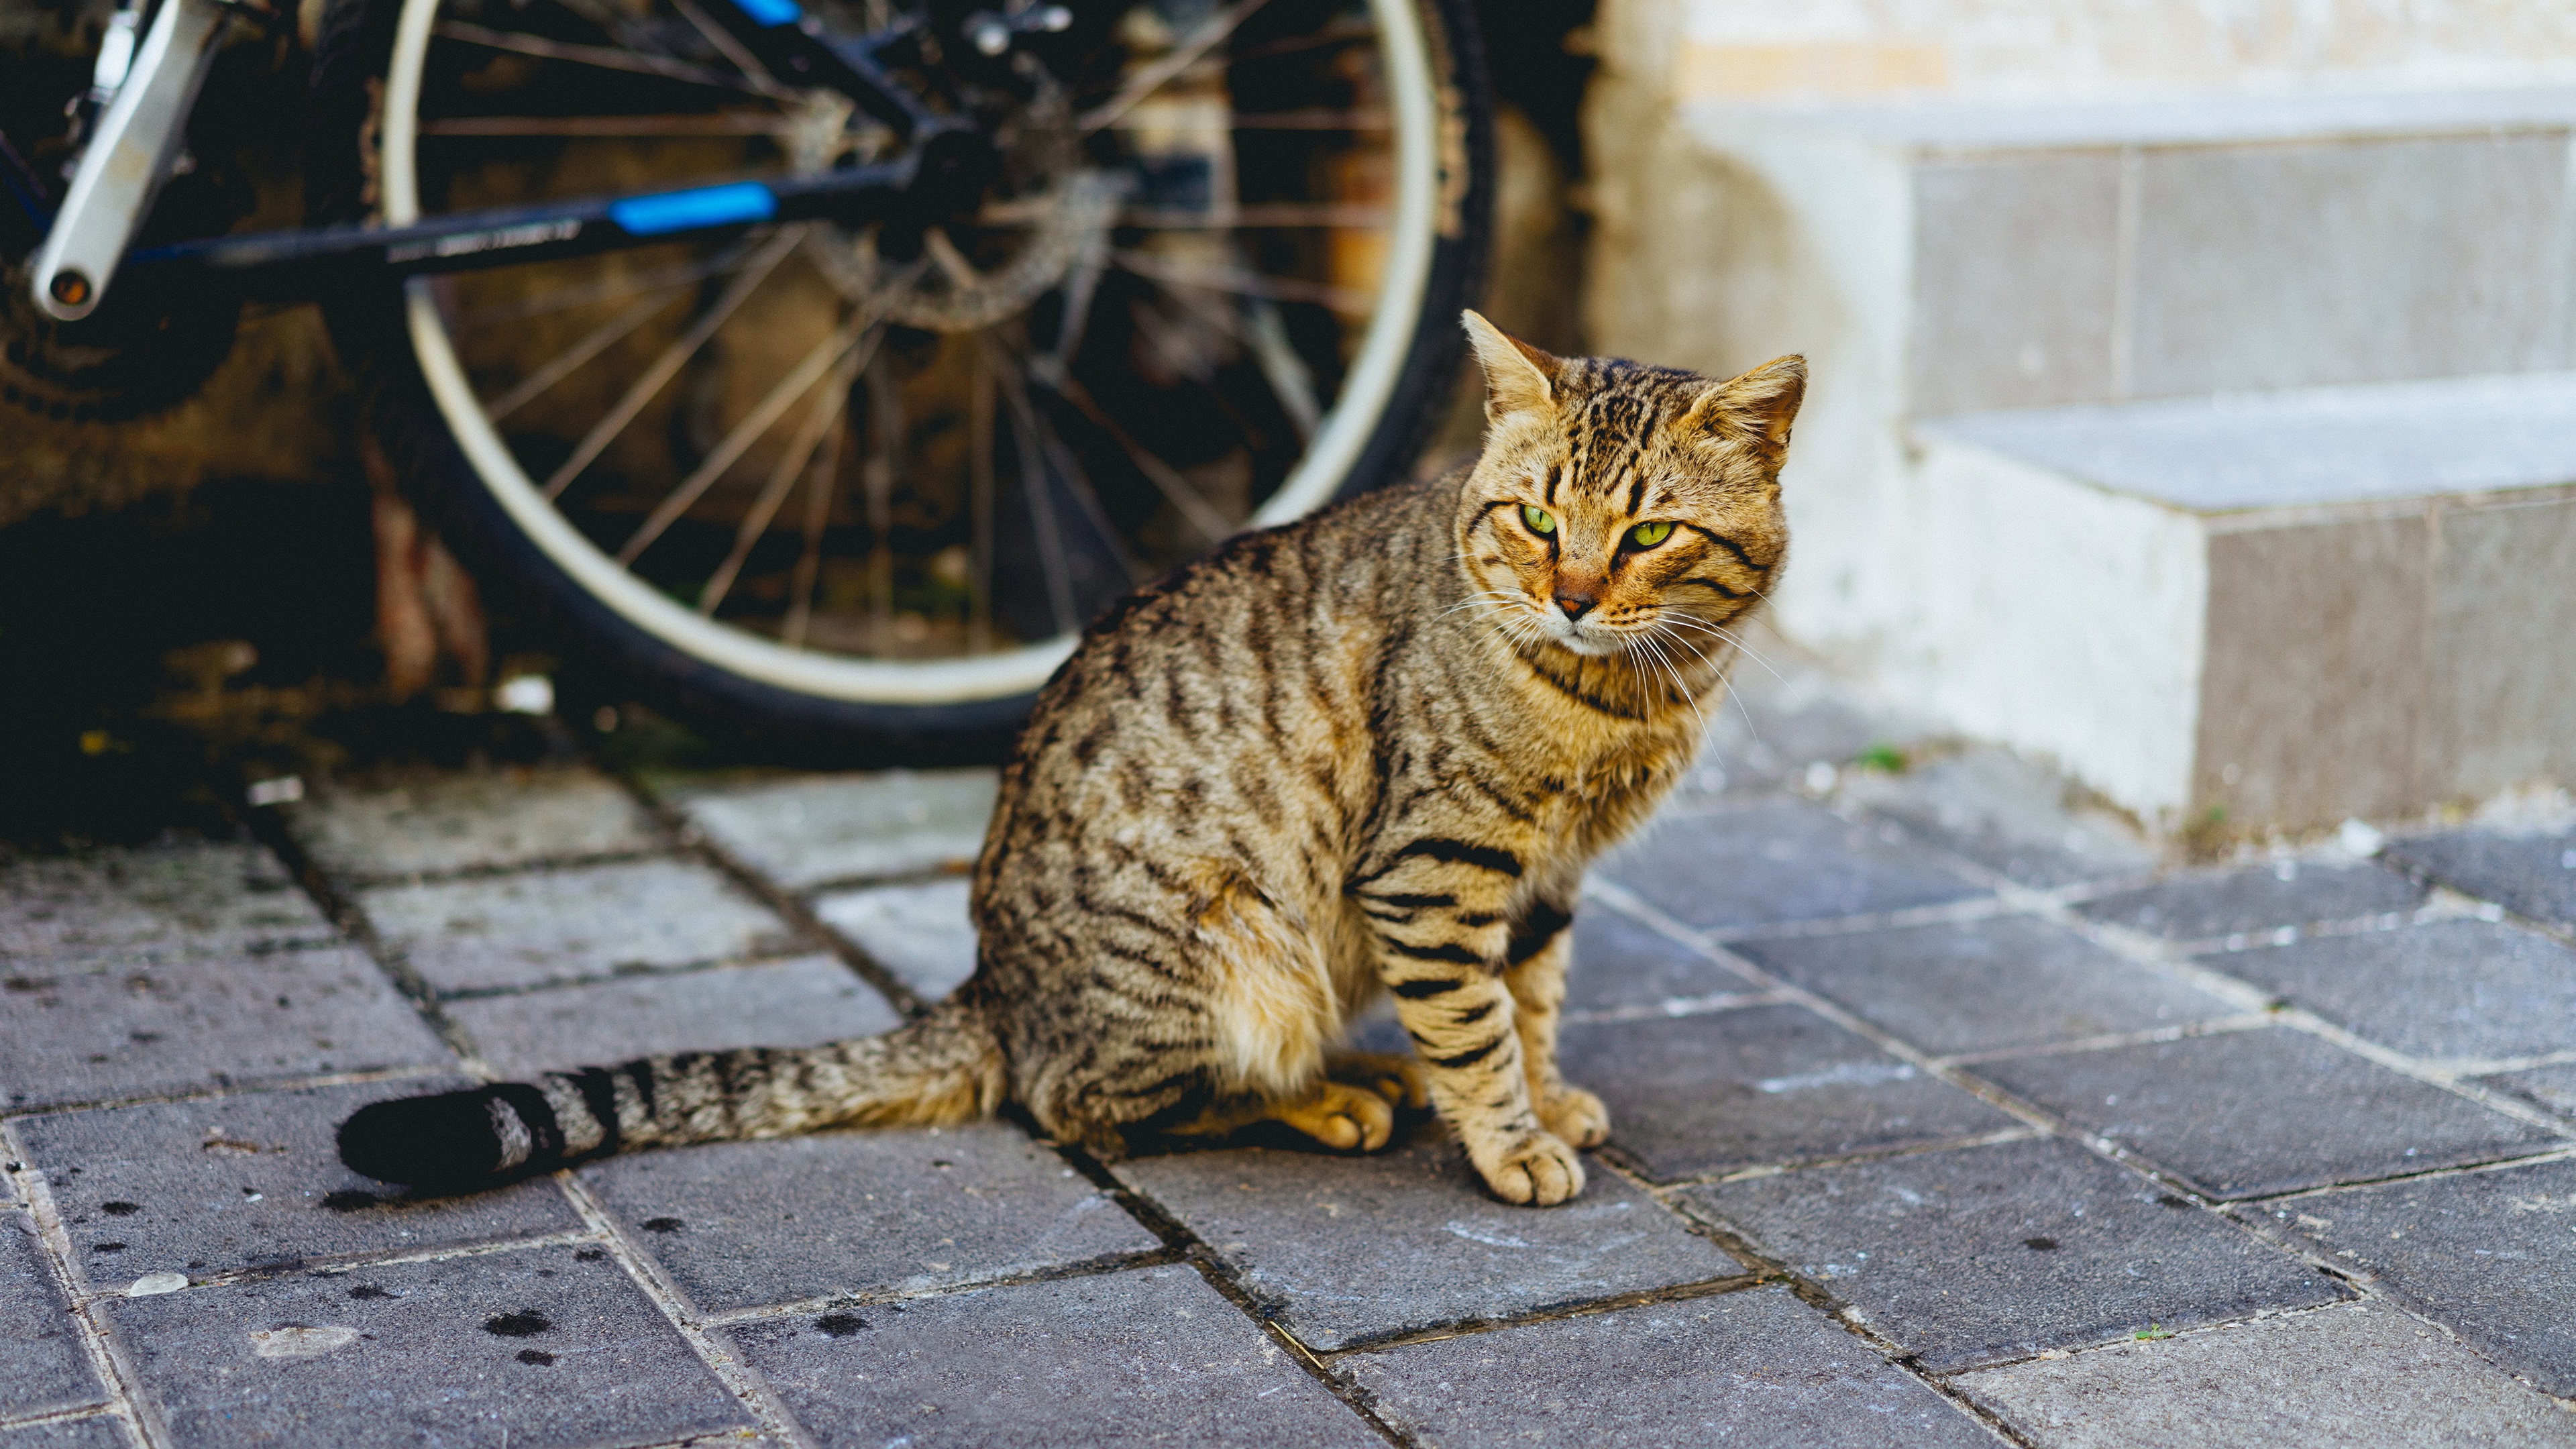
[{"x": 381, "y": 333}]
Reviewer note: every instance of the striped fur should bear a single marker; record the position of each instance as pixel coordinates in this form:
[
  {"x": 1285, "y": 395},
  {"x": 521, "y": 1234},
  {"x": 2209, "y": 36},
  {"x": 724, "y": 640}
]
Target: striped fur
[{"x": 1369, "y": 752}]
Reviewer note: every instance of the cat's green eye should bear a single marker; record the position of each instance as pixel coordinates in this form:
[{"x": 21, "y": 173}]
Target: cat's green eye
[
  {"x": 1647, "y": 535},
  {"x": 1540, "y": 521}
]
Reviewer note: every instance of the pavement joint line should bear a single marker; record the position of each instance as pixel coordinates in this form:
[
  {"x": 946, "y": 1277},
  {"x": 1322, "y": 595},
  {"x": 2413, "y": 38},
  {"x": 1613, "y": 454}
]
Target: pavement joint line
[
  {"x": 1996, "y": 1138},
  {"x": 745, "y": 1383},
  {"x": 355, "y": 881},
  {"x": 1945, "y": 913},
  {"x": 1671, "y": 1007},
  {"x": 1768, "y": 1269},
  {"x": 886, "y": 1297},
  {"x": 229, "y": 1089},
  {"x": 845, "y": 884},
  {"x": 1555, "y": 1313},
  {"x": 125, "y": 1400},
  {"x": 797, "y": 952},
  {"x": 2366, "y": 1286},
  {"x": 2281, "y": 1200},
  {"x": 906, "y": 1002},
  {"x": 2467, "y": 903},
  {"x": 9, "y": 1422},
  {"x": 340, "y": 907},
  {"x": 2496, "y": 1066},
  {"x": 1188, "y": 1248},
  {"x": 2111, "y": 1041},
  {"x": 341, "y": 1266}
]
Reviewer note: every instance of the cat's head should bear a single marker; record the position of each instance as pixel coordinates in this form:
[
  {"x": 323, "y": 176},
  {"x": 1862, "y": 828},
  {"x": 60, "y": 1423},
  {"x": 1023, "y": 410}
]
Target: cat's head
[{"x": 1624, "y": 509}]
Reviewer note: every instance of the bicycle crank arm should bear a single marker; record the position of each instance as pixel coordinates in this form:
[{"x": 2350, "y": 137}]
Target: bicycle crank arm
[
  {"x": 302, "y": 265},
  {"x": 126, "y": 160}
]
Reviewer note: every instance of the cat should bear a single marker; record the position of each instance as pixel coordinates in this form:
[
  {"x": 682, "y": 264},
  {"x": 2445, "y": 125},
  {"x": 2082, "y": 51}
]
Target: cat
[{"x": 1369, "y": 752}]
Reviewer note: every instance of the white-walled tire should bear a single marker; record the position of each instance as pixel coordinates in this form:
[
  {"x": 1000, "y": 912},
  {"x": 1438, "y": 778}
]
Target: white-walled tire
[{"x": 893, "y": 630}]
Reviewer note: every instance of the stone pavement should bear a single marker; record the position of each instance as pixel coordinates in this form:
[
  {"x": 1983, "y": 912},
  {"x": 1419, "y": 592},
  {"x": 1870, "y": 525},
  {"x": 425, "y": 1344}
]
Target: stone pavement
[{"x": 1943, "y": 1117}]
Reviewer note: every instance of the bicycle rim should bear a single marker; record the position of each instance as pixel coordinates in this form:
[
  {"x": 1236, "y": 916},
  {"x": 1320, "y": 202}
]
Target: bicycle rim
[{"x": 851, "y": 503}]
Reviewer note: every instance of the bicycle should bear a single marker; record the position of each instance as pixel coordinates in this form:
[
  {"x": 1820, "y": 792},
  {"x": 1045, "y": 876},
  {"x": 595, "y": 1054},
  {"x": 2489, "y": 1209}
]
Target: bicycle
[{"x": 816, "y": 368}]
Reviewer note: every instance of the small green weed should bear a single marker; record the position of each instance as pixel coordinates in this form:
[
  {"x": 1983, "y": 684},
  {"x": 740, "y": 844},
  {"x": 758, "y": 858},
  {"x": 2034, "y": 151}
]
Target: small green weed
[
  {"x": 1884, "y": 758},
  {"x": 2152, "y": 1332}
]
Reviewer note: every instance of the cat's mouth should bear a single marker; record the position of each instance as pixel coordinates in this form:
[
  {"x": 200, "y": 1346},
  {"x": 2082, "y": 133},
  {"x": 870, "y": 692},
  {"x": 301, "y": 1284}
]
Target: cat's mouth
[{"x": 1575, "y": 636}]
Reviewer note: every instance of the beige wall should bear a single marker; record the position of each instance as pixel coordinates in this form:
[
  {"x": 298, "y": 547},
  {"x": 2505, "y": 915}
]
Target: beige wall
[{"x": 1992, "y": 48}]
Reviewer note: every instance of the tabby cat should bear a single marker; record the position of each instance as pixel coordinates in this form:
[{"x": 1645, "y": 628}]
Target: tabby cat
[{"x": 1369, "y": 751}]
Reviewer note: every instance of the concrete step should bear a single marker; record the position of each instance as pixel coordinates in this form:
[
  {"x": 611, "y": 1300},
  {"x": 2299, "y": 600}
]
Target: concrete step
[
  {"x": 1939, "y": 258},
  {"x": 2255, "y": 611}
]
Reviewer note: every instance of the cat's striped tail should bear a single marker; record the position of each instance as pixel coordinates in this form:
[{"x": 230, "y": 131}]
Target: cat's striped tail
[{"x": 945, "y": 1068}]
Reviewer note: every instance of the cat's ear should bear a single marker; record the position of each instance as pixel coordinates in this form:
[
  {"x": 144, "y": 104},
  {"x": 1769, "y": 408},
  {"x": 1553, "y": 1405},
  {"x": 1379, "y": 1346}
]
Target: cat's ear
[
  {"x": 1755, "y": 408},
  {"x": 1518, "y": 377}
]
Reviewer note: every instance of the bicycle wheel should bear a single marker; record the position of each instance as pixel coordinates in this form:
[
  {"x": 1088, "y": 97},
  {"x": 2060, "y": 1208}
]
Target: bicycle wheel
[{"x": 856, "y": 491}]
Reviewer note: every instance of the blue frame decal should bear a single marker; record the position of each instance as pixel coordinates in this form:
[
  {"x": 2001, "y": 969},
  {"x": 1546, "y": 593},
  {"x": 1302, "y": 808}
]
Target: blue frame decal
[
  {"x": 728, "y": 205},
  {"x": 770, "y": 14}
]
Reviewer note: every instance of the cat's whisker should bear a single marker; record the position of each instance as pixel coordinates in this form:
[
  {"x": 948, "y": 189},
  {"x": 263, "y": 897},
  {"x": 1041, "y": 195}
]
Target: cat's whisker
[
  {"x": 1722, "y": 632},
  {"x": 1741, "y": 708}
]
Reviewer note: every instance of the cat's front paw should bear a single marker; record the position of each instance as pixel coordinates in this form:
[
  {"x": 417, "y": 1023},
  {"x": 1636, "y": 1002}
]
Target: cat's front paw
[
  {"x": 1575, "y": 1115},
  {"x": 1541, "y": 1171}
]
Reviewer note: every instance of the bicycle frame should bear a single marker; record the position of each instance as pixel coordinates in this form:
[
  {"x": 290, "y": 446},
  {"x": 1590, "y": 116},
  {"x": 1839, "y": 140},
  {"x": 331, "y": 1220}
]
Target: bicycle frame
[{"x": 941, "y": 172}]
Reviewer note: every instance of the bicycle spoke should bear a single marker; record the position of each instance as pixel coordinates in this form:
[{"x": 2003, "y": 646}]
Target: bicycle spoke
[
  {"x": 818, "y": 515},
  {"x": 1075, "y": 482},
  {"x": 1152, "y": 77},
  {"x": 979, "y": 501},
  {"x": 731, "y": 49},
  {"x": 601, "y": 56},
  {"x": 607, "y": 289},
  {"x": 725, "y": 123},
  {"x": 885, "y": 439},
  {"x": 1184, "y": 497},
  {"x": 747, "y": 432},
  {"x": 1291, "y": 380},
  {"x": 608, "y": 334},
  {"x": 1034, "y": 494},
  {"x": 1241, "y": 281},
  {"x": 792, "y": 465},
  {"x": 1315, "y": 119},
  {"x": 673, "y": 358},
  {"x": 1278, "y": 216}
]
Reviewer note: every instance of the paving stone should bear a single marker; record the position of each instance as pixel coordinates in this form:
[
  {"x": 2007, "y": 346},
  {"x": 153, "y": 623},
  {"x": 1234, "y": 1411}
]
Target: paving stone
[
  {"x": 200, "y": 896},
  {"x": 2354, "y": 1376},
  {"x": 2288, "y": 893},
  {"x": 2550, "y": 1087},
  {"x": 480, "y": 821},
  {"x": 1982, "y": 985},
  {"x": 1150, "y": 1356},
  {"x": 254, "y": 1180},
  {"x": 902, "y": 1211},
  {"x": 922, "y": 933},
  {"x": 2006, "y": 814},
  {"x": 2450, "y": 989},
  {"x": 42, "y": 1367},
  {"x": 1621, "y": 964},
  {"x": 540, "y": 927},
  {"x": 2533, "y": 874},
  {"x": 2483, "y": 1252},
  {"x": 1757, "y": 1086},
  {"x": 1756, "y": 1365},
  {"x": 801, "y": 1002},
  {"x": 1991, "y": 1253},
  {"x": 1777, "y": 861},
  {"x": 817, "y": 829},
  {"x": 95, "y": 1432},
  {"x": 1348, "y": 1249},
  {"x": 2245, "y": 1113},
  {"x": 552, "y": 1346},
  {"x": 78, "y": 1030}
]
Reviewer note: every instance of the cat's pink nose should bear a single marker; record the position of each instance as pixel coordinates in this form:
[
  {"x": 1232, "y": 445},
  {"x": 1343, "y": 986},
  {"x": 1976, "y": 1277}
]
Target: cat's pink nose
[{"x": 1574, "y": 604}]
